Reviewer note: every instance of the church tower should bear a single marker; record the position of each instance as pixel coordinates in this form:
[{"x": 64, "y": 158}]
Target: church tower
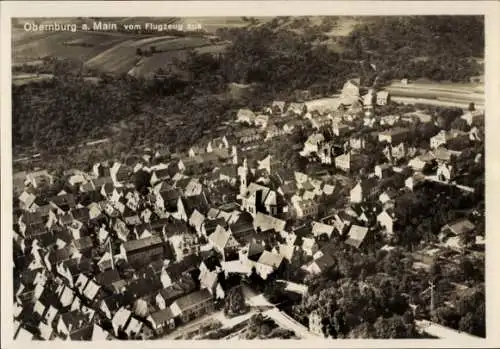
[
  {"x": 234, "y": 154},
  {"x": 243, "y": 174}
]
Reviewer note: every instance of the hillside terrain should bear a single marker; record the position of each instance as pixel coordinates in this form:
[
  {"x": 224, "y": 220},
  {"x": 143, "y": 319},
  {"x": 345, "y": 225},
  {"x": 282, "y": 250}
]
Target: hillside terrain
[{"x": 189, "y": 72}]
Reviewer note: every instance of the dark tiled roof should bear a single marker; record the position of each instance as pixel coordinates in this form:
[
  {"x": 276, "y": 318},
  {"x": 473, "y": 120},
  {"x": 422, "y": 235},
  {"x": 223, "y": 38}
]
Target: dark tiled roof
[
  {"x": 81, "y": 214},
  {"x": 229, "y": 171},
  {"x": 108, "y": 277},
  {"x": 84, "y": 243},
  {"x": 133, "y": 245},
  {"x": 211, "y": 262},
  {"x": 197, "y": 202},
  {"x": 324, "y": 262},
  {"x": 176, "y": 227},
  {"x": 63, "y": 200},
  {"x": 162, "y": 316},
  {"x": 61, "y": 255},
  {"x": 143, "y": 287},
  {"x": 211, "y": 224},
  {"x": 30, "y": 218}
]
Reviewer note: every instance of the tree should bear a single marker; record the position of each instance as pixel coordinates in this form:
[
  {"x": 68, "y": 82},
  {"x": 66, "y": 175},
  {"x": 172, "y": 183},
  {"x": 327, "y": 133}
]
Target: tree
[
  {"x": 460, "y": 124},
  {"x": 142, "y": 181},
  {"x": 393, "y": 327},
  {"x": 235, "y": 302}
]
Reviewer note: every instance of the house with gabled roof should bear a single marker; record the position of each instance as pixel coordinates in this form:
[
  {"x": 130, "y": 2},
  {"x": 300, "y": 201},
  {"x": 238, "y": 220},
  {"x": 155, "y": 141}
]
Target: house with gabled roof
[
  {"x": 364, "y": 190},
  {"x": 74, "y": 325},
  {"x": 120, "y": 319},
  {"x": 277, "y": 108},
  {"x": 386, "y": 219},
  {"x": 184, "y": 243},
  {"x": 458, "y": 227},
  {"x": 167, "y": 199},
  {"x": 319, "y": 265},
  {"x": 356, "y": 236},
  {"x": 263, "y": 222},
  {"x": 193, "y": 305},
  {"x": 267, "y": 263},
  {"x": 394, "y": 135},
  {"x": 144, "y": 250},
  {"x": 443, "y": 137},
  {"x": 223, "y": 242},
  {"x": 38, "y": 178},
  {"x": 322, "y": 229},
  {"x": 162, "y": 321},
  {"x": 245, "y": 115},
  {"x": 197, "y": 220}
]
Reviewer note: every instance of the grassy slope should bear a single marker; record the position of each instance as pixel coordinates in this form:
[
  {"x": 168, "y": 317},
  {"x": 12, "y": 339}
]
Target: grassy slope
[{"x": 116, "y": 52}]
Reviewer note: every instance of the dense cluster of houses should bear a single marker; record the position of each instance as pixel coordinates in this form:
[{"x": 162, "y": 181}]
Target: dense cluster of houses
[{"x": 105, "y": 259}]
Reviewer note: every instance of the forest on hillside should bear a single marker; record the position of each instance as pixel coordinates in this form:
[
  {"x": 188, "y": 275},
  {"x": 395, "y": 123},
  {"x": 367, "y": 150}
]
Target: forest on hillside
[
  {"x": 434, "y": 47},
  {"x": 172, "y": 110}
]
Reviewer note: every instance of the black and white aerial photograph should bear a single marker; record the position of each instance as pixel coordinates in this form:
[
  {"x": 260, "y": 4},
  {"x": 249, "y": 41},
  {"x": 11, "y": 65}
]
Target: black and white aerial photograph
[{"x": 248, "y": 178}]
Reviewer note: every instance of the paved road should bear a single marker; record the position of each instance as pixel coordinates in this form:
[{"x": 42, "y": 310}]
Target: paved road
[
  {"x": 287, "y": 322},
  {"x": 282, "y": 319},
  {"x": 443, "y": 332}
]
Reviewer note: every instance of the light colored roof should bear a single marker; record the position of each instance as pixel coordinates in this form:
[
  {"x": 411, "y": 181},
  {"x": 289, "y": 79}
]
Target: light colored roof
[
  {"x": 315, "y": 138},
  {"x": 24, "y": 335},
  {"x": 460, "y": 226},
  {"x": 323, "y": 105},
  {"x": 295, "y": 287},
  {"x": 121, "y": 317},
  {"x": 209, "y": 278},
  {"x": 382, "y": 94},
  {"x": 45, "y": 330},
  {"x": 321, "y": 228},
  {"x": 91, "y": 289},
  {"x": 328, "y": 189},
  {"x": 134, "y": 326},
  {"x": 356, "y": 235},
  {"x": 213, "y": 213},
  {"x": 221, "y": 238},
  {"x": 270, "y": 259},
  {"x": 286, "y": 251},
  {"x": 266, "y": 222},
  {"x": 196, "y": 219},
  {"x": 279, "y": 104},
  {"x": 98, "y": 333},
  {"x": 308, "y": 243},
  {"x": 254, "y": 187},
  {"x": 245, "y": 113},
  {"x": 236, "y": 267}
]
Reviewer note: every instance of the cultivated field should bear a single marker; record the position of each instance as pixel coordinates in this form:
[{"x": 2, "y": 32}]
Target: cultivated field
[
  {"x": 438, "y": 93},
  {"x": 79, "y": 45},
  {"x": 123, "y": 57}
]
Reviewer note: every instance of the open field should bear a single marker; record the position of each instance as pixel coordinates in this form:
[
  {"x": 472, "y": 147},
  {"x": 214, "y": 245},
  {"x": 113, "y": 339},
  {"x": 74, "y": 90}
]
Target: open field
[
  {"x": 446, "y": 94},
  {"x": 115, "y": 52},
  {"x": 123, "y": 58},
  {"x": 79, "y": 45},
  {"x": 23, "y": 79}
]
